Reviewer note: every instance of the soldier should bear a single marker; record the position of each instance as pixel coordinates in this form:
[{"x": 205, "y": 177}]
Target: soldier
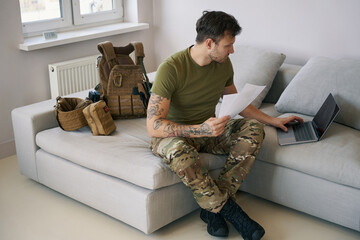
[{"x": 181, "y": 122}]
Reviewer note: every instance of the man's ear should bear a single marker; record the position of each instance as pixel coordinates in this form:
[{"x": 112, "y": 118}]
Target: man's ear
[{"x": 209, "y": 43}]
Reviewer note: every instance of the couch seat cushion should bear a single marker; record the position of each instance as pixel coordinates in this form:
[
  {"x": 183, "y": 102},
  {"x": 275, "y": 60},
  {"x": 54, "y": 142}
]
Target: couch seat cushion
[
  {"x": 335, "y": 158},
  {"x": 124, "y": 154}
]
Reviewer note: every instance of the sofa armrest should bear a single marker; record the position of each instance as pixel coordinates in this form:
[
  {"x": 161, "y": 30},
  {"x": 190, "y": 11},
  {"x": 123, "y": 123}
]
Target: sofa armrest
[{"x": 27, "y": 122}]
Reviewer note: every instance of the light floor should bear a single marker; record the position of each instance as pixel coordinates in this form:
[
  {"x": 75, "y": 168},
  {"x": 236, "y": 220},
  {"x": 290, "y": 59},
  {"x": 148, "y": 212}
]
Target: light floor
[{"x": 29, "y": 210}]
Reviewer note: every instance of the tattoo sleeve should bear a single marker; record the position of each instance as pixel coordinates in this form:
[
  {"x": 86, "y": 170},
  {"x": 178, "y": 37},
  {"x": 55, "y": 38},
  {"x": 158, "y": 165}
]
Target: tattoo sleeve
[
  {"x": 165, "y": 128},
  {"x": 154, "y": 109}
]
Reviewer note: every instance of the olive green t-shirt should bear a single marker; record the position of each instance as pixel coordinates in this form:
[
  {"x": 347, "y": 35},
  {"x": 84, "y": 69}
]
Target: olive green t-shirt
[{"x": 193, "y": 90}]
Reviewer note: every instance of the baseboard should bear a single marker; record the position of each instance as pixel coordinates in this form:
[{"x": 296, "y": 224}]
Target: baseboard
[{"x": 7, "y": 149}]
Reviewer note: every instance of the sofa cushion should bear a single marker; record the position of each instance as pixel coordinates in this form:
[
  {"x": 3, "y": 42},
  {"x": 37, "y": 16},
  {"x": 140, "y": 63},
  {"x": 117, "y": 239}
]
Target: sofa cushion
[
  {"x": 283, "y": 77},
  {"x": 110, "y": 154},
  {"x": 124, "y": 154},
  {"x": 255, "y": 66},
  {"x": 335, "y": 158},
  {"x": 313, "y": 83}
]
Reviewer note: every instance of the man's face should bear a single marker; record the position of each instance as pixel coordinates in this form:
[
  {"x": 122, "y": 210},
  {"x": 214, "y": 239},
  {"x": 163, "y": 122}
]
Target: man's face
[{"x": 221, "y": 51}]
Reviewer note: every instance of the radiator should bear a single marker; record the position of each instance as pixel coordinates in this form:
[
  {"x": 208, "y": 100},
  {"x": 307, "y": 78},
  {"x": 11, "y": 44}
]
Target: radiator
[{"x": 73, "y": 76}]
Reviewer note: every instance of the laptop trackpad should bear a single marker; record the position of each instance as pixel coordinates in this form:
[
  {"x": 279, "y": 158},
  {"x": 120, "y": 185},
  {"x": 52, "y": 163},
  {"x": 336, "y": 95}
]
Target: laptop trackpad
[{"x": 286, "y": 137}]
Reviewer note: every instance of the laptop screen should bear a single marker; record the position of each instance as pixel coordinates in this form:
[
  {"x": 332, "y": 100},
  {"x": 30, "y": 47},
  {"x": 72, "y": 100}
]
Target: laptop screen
[{"x": 325, "y": 115}]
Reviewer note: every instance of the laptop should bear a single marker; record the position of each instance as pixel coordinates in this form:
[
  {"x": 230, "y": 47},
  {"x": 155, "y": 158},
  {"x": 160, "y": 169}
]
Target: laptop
[{"x": 311, "y": 131}]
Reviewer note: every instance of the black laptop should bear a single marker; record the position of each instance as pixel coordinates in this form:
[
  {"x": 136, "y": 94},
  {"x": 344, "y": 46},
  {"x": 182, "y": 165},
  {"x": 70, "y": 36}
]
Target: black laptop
[{"x": 311, "y": 131}]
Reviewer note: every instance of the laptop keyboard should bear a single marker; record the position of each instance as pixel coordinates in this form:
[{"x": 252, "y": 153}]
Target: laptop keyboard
[{"x": 303, "y": 132}]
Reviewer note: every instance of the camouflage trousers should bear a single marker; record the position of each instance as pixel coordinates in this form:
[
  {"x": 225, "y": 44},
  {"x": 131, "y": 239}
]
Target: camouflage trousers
[{"x": 241, "y": 141}]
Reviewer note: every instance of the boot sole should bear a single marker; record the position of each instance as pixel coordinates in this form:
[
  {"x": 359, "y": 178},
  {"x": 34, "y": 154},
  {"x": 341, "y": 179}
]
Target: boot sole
[{"x": 257, "y": 235}]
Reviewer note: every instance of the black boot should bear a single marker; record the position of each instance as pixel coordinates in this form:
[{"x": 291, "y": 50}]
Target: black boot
[
  {"x": 248, "y": 228},
  {"x": 216, "y": 225}
]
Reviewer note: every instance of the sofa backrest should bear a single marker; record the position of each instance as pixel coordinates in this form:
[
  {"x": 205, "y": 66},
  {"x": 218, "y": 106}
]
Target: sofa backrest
[{"x": 285, "y": 74}]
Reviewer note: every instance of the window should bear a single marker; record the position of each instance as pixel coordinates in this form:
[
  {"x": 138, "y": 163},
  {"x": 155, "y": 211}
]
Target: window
[{"x": 38, "y": 16}]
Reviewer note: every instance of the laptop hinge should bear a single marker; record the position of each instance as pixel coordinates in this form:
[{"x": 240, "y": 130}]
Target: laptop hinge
[{"x": 315, "y": 129}]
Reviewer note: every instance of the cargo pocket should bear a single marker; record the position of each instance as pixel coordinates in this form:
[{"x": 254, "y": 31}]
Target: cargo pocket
[
  {"x": 113, "y": 102},
  {"x": 138, "y": 106},
  {"x": 126, "y": 105}
]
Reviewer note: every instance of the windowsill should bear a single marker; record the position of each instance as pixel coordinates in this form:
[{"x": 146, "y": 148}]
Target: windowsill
[{"x": 39, "y": 42}]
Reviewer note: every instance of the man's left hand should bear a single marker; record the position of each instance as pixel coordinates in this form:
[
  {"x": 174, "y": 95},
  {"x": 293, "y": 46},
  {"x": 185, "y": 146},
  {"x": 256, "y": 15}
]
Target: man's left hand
[{"x": 280, "y": 122}]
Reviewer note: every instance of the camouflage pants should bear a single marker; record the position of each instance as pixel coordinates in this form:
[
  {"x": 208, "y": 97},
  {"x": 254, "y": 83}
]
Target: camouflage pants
[{"x": 241, "y": 140}]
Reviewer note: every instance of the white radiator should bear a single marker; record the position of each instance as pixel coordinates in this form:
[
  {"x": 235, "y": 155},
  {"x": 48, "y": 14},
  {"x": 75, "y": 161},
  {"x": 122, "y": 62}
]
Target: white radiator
[{"x": 73, "y": 76}]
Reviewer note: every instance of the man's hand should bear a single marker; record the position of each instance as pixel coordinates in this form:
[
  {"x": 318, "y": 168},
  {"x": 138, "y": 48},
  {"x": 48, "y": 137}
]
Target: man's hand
[
  {"x": 214, "y": 127},
  {"x": 252, "y": 112},
  {"x": 280, "y": 122}
]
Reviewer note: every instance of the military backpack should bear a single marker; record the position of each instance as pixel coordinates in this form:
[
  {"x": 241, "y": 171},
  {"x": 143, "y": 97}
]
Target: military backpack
[{"x": 124, "y": 83}]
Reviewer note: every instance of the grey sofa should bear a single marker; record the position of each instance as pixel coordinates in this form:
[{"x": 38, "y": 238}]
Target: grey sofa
[{"x": 119, "y": 176}]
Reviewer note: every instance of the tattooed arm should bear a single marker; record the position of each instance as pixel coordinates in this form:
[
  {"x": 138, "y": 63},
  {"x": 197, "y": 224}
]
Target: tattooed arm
[{"x": 158, "y": 126}]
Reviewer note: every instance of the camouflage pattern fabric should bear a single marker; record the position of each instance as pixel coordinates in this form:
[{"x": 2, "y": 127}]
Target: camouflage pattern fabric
[{"x": 241, "y": 141}]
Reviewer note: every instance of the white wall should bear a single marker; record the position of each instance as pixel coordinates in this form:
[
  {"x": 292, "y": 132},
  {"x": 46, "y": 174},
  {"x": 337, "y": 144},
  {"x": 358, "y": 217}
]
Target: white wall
[
  {"x": 24, "y": 76},
  {"x": 298, "y": 28}
]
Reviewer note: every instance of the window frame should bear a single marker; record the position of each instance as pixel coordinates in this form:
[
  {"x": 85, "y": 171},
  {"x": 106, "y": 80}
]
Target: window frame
[
  {"x": 115, "y": 14},
  {"x": 72, "y": 19}
]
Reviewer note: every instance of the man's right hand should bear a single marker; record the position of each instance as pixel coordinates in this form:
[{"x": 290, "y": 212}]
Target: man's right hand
[{"x": 214, "y": 127}]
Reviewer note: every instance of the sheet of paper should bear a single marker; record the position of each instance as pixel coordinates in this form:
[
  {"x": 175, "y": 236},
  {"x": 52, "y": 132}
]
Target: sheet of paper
[{"x": 233, "y": 104}]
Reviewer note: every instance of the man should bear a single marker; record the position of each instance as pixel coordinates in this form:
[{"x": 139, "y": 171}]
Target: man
[{"x": 181, "y": 121}]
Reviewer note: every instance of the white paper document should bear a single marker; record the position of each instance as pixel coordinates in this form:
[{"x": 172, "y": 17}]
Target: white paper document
[{"x": 233, "y": 104}]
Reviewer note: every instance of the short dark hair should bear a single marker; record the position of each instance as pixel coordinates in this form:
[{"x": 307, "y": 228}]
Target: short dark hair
[{"x": 214, "y": 24}]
